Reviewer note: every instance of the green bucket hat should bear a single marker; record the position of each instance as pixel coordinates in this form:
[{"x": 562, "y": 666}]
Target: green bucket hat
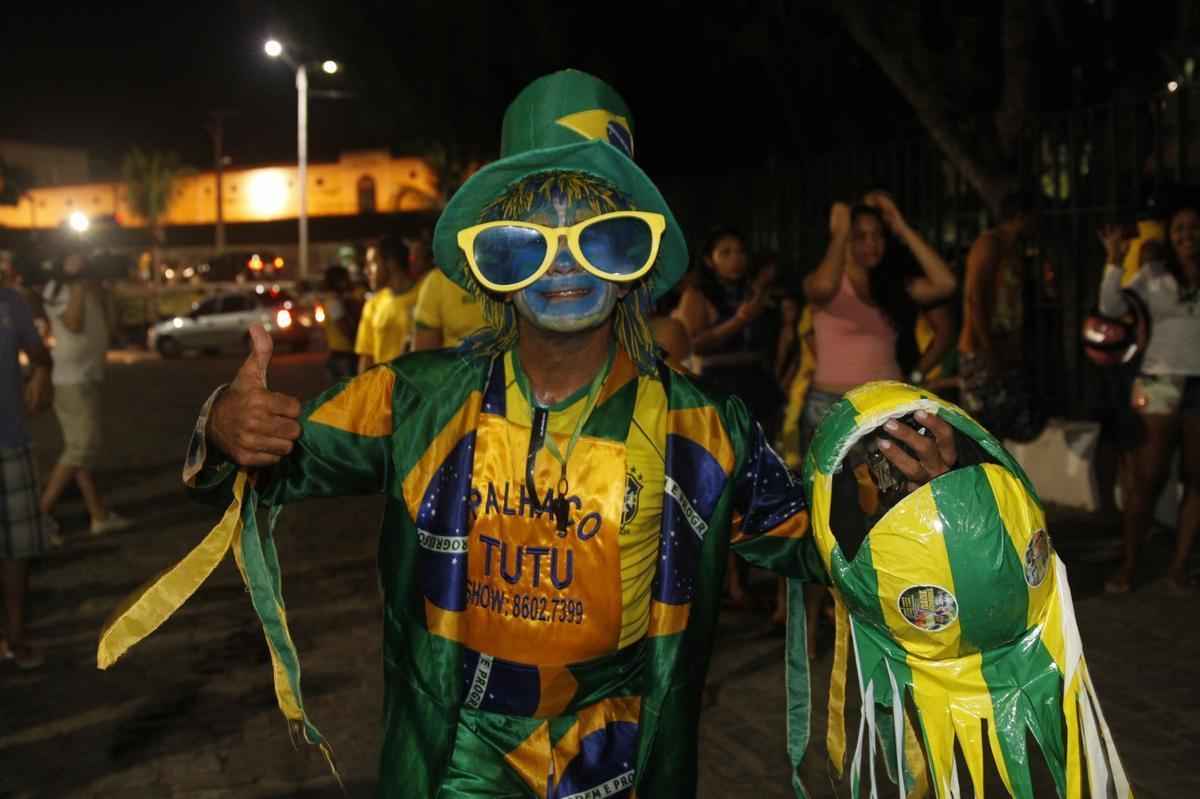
[{"x": 572, "y": 122}]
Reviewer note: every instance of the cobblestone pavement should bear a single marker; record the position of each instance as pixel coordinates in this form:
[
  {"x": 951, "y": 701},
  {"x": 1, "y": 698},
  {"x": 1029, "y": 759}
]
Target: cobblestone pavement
[{"x": 191, "y": 713}]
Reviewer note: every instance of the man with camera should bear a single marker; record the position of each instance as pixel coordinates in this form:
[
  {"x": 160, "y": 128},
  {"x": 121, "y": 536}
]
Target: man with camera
[{"x": 81, "y": 319}]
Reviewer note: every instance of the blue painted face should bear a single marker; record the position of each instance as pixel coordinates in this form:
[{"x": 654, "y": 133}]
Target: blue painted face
[{"x": 567, "y": 299}]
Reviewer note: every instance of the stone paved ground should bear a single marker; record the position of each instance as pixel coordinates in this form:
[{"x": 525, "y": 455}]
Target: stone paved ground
[{"x": 191, "y": 713}]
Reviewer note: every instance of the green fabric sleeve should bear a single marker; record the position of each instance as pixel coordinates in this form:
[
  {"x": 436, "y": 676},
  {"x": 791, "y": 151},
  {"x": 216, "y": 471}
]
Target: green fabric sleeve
[
  {"x": 771, "y": 525},
  {"x": 326, "y": 460}
]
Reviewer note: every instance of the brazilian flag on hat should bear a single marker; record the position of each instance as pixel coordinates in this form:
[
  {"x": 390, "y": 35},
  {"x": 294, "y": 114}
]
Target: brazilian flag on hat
[
  {"x": 568, "y": 121},
  {"x": 957, "y": 607}
]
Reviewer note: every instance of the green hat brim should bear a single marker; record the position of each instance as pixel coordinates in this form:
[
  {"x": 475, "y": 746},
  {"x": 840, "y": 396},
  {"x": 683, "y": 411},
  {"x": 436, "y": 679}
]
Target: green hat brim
[{"x": 597, "y": 158}]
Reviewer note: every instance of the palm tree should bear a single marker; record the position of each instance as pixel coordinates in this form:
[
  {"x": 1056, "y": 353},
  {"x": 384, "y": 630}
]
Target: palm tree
[
  {"x": 150, "y": 177},
  {"x": 450, "y": 167}
]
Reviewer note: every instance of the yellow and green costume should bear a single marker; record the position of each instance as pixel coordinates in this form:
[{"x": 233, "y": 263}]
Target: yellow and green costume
[
  {"x": 525, "y": 655},
  {"x": 518, "y": 661},
  {"x": 955, "y": 602}
]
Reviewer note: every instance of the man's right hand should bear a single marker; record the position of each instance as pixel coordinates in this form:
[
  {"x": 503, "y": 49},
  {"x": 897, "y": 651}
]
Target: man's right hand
[{"x": 249, "y": 423}]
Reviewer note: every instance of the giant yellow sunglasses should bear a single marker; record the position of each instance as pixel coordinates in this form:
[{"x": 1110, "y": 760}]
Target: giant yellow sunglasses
[{"x": 507, "y": 255}]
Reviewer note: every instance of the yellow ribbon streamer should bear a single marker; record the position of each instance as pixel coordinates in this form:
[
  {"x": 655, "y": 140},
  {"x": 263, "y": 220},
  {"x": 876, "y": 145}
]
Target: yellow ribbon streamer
[
  {"x": 835, "y": 732},
  {"x": 914, "y": 760},
  {"x": 147, "y": 608}
]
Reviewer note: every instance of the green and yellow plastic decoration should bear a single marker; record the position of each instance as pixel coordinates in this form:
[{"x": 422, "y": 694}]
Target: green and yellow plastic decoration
[{"x": 961, "y": 622}]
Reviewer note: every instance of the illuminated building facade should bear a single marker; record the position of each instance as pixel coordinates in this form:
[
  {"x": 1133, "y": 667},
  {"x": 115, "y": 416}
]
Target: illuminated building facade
[{"x": 365, "y": 182}]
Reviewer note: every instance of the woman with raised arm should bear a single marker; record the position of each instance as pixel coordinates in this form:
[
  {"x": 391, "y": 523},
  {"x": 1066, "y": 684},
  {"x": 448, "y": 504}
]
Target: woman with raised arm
[{"x": 1166, "y": 394}]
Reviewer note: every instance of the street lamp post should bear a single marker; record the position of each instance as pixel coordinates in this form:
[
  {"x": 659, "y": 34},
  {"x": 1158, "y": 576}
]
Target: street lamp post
[
  {"x": 216, "y": 129},
  {"x": 302, "y": 159},
  {"x": 274, "y": 49}
]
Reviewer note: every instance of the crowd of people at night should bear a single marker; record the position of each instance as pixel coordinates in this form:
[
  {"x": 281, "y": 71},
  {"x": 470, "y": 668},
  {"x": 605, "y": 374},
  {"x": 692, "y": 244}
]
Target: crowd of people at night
[
  {"x": 883, "y": 304},
  {"x": 451, "y": 330}
]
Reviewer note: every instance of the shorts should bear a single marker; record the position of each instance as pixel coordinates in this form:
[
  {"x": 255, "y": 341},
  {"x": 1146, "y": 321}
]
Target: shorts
[
  {"x": 1166, "y": 394},
  {"x": 23, "y": 529},
  {"x": 1002, "y": 398},
  {"x": 77, "y": 406},
  {"x": 817, "y": 405}
]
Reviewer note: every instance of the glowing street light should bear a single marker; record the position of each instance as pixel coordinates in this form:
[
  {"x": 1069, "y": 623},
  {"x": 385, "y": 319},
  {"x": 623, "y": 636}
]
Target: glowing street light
[
  {"x": 1172, "y": 85},
  {"x": 79, "y": 222},
  {"x": 274, "y": 49}
]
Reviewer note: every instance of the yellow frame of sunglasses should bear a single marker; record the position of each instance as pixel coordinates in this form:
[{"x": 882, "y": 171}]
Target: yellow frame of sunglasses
[{"x": 656, "y": 222}]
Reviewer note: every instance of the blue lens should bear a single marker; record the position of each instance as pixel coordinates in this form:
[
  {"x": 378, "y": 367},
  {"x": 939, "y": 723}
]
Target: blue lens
[
  {"x": 617, "y": 246},
  {"x": 507, "y": 255}
]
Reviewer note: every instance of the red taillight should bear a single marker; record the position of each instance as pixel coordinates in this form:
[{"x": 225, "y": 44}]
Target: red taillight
[
  {"x": 283, "y": 319},
  {"x": 320, "y": 314}
]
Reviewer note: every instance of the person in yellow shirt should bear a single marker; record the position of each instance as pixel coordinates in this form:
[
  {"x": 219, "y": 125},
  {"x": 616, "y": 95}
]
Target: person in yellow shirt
[
  {"x": 1147, "y": 230},
  {"x": 796, "y": 362},
  {"x": 445, "y": 313},
  {"x": 386, "y": 327},
  {"x": 936, "y": 333}
]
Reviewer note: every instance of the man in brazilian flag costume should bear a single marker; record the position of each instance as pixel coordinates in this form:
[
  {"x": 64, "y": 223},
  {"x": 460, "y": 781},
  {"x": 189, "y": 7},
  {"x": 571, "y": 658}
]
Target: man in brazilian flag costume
[{"x": 560, "y": 504}]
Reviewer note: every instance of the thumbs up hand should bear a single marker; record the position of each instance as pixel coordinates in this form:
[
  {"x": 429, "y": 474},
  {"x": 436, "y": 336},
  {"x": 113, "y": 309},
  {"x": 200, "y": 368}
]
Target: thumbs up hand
[{"x": 251, "y": 424}]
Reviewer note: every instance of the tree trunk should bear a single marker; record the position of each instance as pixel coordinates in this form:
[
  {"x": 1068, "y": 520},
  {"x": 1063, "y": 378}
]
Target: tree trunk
[
  {"x": 157, "y": 236},
  {"x": 929, "y": 104},
  {"x": 1020, "y": 25}
]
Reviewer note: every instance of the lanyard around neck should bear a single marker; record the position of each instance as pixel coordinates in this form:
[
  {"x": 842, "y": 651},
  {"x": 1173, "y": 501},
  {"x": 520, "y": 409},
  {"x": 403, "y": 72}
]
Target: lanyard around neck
[
  {"x": 592, "y": 395},
  {"x": 541, "y": 423}
]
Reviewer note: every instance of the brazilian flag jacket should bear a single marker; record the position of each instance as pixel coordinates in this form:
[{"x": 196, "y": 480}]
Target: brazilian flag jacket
[{"x": 409, "y": 430}]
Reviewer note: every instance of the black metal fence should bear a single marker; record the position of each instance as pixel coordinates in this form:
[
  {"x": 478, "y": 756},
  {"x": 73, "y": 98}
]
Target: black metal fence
[{"x": 1085, "y": 167}]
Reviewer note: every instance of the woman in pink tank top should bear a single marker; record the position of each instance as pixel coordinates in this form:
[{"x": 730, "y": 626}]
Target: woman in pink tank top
[{"x": 866, "y": 293}]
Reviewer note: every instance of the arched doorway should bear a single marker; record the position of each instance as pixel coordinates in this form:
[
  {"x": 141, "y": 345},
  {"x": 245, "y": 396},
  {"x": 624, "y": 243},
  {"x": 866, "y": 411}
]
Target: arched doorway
[{"x": 366, "y": 195}]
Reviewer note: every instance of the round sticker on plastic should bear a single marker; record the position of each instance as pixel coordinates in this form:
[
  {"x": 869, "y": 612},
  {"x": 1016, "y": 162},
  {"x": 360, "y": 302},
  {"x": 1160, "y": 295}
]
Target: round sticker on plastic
[
  {"x": 1037, "y": 558},
  {"x": 929, "y": 608}
]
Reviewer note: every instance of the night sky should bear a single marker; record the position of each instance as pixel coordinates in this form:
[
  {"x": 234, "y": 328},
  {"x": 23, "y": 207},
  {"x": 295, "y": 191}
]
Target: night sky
[{"x": 734, "y": 86}]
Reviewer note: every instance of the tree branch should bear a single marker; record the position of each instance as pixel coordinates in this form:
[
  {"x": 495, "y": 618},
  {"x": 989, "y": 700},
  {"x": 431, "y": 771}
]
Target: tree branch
[{"x": 928, "y": 104}]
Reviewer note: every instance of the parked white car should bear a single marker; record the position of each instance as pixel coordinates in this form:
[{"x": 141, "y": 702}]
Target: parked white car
[{"x": 220, "y": 323}]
